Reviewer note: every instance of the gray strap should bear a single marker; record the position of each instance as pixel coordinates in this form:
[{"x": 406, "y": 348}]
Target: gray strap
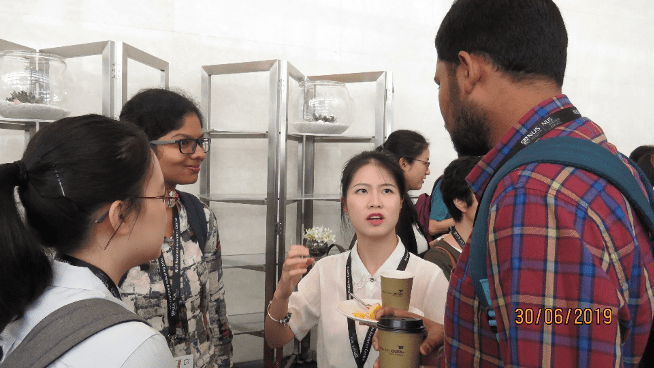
[{"x": 64, "y": 328}]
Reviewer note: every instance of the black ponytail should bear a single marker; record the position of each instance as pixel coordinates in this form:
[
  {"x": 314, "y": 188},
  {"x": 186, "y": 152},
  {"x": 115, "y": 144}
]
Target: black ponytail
[
  {"x": 25, "y": 270},
  {"x": 407, "y": 144},
  {"x": 69, "y": 170}
]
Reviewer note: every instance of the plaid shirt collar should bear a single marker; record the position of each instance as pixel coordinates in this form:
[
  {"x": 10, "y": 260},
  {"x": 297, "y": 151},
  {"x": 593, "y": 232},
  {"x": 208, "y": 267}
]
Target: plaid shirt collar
[{"x": 482, "y": 173}]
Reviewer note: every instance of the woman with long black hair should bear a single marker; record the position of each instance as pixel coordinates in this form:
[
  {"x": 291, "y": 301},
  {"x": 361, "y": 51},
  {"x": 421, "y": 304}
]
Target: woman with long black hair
[
  {"x": 93, "y": 192},
  {"x": 372, "y": 185},
  {"x": 181, "y": 294},
  {"x": 411, "y": 150}
]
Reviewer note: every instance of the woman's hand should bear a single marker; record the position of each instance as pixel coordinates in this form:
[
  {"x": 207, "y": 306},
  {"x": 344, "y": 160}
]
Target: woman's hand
[
  {"x": 434, "y": 334},
  {"x": 296, "y": 264}
]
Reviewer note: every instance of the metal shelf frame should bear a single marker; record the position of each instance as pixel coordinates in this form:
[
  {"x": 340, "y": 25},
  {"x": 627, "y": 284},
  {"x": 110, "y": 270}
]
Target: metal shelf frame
[
  {"x": 276, "y": 199},
  {"x": 115, "y": 57}
]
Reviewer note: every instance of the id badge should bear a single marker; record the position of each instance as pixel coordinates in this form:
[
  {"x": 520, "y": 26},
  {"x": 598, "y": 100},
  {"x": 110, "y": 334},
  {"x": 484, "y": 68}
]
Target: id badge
[{"x": 184, "y": 361}]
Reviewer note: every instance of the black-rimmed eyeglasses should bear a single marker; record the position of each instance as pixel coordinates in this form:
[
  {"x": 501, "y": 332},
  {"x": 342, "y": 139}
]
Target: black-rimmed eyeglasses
[
  {"x": 187, "y": 146},
  {"x": 169, "y": 200}
]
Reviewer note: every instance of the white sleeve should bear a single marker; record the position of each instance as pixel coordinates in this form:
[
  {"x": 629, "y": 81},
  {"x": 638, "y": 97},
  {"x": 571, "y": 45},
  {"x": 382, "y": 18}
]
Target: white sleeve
[
  {"x": 434, "y": 292},
  {"x": 153, "y": 352},
  {"x": 304, "y": 304}
]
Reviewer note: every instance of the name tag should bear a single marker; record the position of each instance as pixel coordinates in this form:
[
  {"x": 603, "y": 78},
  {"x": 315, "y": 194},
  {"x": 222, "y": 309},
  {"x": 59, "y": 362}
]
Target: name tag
[{"x": 184, "y": 361}]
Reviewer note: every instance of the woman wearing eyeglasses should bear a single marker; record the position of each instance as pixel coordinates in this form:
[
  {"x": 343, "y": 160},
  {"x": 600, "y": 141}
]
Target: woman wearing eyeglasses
[
  {"x": 92, "y": 192},
  {"x": 181, "y": 294},
  {"x": 411, "y": 150}
]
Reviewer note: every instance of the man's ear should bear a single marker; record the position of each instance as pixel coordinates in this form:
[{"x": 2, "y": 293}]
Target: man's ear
[
  {"x": 651, "y": 160},
  {"x": 461, "y": 205},
  {"x": 469, "y": 72}
]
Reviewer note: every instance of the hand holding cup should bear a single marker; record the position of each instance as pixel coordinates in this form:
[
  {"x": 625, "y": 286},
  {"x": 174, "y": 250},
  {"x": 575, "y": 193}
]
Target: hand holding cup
[{"x": 433, "y": 335}]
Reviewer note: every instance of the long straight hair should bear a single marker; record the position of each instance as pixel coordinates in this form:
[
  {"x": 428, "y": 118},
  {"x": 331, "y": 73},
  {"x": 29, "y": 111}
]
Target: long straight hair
[
  {"x": 70, "y": 169},
  {"x": 406, "y": 144}
]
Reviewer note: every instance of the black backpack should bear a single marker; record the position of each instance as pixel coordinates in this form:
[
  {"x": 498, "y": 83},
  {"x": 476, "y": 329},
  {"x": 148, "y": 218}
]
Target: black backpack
[{"x": 196, "y": 218}]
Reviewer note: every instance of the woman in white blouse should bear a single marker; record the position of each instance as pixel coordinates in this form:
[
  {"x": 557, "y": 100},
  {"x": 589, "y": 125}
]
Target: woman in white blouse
[
  {"x": 372, "y": 186},
  {"x": 92, "y": 191}
]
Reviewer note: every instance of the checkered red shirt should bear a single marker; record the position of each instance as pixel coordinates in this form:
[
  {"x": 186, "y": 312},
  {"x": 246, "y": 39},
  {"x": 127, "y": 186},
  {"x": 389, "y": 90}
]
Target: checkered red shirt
[{"x": 569, "y": 266}]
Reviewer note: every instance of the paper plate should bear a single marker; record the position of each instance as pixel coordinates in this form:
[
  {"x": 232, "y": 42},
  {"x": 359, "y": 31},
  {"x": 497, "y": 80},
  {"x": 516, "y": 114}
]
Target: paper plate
[{"x": 348, "y": 307}]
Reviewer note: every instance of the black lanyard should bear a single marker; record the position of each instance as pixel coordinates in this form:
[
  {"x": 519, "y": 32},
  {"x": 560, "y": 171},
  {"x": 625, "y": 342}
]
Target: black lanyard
[
  {"x": 542, "y": 127},
  {"x": 106, "y": 280},
  {"x": 457, "y": 237},
  {"x": 360, "y": 356},
  {"x": 173, "y": 291}
]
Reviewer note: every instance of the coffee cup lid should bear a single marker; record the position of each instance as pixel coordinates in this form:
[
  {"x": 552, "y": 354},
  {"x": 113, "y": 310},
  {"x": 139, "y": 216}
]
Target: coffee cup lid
[{"x": 400, "y": 324}]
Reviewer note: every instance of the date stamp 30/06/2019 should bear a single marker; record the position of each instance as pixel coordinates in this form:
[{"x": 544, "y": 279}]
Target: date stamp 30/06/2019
[{"x": 561, "y": 316}]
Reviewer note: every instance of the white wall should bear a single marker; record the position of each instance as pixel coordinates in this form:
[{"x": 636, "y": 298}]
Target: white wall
[{"x": 608, "y": 76}]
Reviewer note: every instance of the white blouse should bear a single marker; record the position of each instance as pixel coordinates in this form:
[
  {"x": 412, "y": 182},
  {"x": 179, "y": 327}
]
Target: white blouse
[
  {"x": 323, "y": 288},
  {"x": 129, "y": 344},
  {"x": 421, "y": 242}
]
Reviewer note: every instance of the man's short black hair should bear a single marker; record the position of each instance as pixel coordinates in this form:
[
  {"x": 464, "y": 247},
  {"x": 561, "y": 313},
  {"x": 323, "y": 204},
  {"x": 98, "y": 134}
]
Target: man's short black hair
[
  {"x": 642, "y": 156},
  {"x": 523, "y": 38},
  {"x": 454, "y": 185},
  {"x": 641, "y": 151}
]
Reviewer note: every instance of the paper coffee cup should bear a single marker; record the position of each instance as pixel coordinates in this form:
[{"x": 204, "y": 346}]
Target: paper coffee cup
[
  {"x": 399, "y": 341},
  {"x": 396, "y": 289}
]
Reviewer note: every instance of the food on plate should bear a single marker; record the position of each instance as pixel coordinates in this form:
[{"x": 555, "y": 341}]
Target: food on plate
[{"x": 370, "y": 313}]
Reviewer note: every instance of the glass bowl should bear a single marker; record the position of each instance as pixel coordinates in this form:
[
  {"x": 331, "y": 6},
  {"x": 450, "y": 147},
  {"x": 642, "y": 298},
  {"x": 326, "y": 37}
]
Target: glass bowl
[
  {"x": 33, "y": 85},
  {"x": 321, "y": 107}
]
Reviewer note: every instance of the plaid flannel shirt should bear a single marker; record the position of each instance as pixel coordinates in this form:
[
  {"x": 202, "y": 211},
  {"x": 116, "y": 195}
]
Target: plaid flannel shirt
[{"x": 569, "y": 266}]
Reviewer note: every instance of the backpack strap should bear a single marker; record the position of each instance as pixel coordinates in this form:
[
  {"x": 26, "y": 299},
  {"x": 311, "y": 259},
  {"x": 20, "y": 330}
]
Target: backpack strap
[
  {"x": 442, "y": 249},
  {"x": 568, "y": 151},
  {"x": 64, "y": 328},
  {"x": 196, "y": 217}
]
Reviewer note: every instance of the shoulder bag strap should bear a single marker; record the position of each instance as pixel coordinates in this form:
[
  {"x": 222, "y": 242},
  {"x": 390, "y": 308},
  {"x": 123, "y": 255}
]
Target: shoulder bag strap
[
  {"x": 442, "y": 249},
  {"x": 64, "y": 328},
  {"x": 196, "y": 216}
]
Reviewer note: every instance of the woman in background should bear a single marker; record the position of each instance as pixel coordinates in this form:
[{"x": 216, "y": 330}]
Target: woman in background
[
  {"x": 411, "y": 150},
  {"x": 182, "y": 293},
  {"x": 372, "y": 186},
  {"x": 93, "y": 192}
]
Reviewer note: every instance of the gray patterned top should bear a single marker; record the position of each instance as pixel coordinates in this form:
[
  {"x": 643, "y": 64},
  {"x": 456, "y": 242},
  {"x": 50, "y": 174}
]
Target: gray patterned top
[{"x": 204, "y": 328}]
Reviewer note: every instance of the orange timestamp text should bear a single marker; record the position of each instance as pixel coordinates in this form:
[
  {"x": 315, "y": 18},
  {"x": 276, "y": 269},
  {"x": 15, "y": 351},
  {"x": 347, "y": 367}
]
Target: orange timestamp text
[{"x": 563, "y": 316}]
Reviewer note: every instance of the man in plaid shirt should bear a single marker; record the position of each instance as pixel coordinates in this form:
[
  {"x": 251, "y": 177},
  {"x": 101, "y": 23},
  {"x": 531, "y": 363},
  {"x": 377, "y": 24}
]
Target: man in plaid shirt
[{"x": 570, "y": 269}]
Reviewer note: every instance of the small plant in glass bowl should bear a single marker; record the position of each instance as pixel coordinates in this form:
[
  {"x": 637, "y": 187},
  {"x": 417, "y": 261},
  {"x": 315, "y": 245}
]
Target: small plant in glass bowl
[{"x": 318, "y": 239}]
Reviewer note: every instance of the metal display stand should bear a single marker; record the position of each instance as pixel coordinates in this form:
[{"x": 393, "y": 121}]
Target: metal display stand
[
  {"x": 115, "y": 56},
  {"x": 276, "y": 199}
]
